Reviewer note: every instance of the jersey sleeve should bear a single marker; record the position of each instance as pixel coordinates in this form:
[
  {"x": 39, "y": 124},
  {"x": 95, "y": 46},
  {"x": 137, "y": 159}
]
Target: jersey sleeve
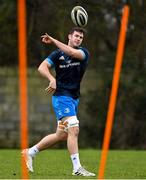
[
  {"x": 85, "y": 53},
  {"x": 52, "y": 58}
]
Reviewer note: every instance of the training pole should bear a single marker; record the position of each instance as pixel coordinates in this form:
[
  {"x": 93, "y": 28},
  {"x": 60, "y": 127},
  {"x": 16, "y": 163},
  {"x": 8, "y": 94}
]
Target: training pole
[
  {"x": 22, "y": 81},
  {"x": 114, "y": 91}
]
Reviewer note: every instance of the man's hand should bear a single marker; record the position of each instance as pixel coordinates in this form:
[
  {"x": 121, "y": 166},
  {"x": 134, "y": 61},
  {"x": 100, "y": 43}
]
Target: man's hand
[
  {"x": 46, "y": 39},
  {"x": 52, "y": 86}
]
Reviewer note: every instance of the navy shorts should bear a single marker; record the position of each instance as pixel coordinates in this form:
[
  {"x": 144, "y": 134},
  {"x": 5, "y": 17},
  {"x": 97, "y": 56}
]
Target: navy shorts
[{"x": 64, "y": 106}]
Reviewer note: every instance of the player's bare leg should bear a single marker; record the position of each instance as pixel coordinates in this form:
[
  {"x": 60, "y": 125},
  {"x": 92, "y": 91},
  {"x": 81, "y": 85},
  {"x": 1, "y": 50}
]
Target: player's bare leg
[
  {"x": 72, "y": 140},
  {"x": 72, "y": 144},
  {"x": 46, "y": 142},
  {"x": 51, "y": 140}
]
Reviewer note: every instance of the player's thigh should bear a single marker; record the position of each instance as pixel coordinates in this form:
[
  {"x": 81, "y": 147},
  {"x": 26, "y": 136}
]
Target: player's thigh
[
  {"x": 71, "y": 125},
  {"x": 61, "y": 134}
]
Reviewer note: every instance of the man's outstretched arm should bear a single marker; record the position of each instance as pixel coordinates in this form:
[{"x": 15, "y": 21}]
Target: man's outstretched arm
[{"x": 76, "y": 53}]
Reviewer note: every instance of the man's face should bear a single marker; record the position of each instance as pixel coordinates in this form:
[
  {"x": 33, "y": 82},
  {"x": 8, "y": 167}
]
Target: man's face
[{"x": 75, "y": 39}]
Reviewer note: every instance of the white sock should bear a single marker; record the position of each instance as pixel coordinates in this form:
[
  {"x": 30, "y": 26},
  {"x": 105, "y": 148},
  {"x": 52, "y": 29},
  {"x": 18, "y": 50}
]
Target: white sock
[
  {"x": 33, "y": 151},
  {"x": 75, "y": 161}
]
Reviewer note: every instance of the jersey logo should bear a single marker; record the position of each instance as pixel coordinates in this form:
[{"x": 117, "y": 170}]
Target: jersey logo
[
  {"x": 67, "y": 110},
  {"x": 68, "y": 62},
  {"x": 62, "y": 58}
]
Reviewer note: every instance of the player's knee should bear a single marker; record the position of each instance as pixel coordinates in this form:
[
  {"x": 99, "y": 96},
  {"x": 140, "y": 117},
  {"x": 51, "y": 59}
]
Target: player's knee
[{"x": 73, "y": 131}]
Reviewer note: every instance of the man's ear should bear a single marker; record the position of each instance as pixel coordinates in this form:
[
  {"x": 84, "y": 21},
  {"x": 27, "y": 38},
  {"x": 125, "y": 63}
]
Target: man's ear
[{"x": 69, "y": 36}]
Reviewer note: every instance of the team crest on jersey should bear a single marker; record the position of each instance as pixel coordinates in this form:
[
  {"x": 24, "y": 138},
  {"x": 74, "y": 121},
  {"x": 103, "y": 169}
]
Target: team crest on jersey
[
  {"x": 62, "y": 58},
  {"x": 67, "y": 110}
]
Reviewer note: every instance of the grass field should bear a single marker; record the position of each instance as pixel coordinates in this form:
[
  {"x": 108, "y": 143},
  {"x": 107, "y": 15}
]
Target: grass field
[{"x": 56, "y": 164}]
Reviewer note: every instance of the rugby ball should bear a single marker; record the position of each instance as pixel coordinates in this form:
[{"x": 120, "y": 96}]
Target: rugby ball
[{"x": 79, "y": 16}]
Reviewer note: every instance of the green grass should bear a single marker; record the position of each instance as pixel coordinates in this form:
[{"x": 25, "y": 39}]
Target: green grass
[{"x": 56, "y": 164}]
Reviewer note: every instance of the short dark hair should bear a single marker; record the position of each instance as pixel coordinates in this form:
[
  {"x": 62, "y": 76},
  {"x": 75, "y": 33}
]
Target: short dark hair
[{"x": 78, "y": 29}]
